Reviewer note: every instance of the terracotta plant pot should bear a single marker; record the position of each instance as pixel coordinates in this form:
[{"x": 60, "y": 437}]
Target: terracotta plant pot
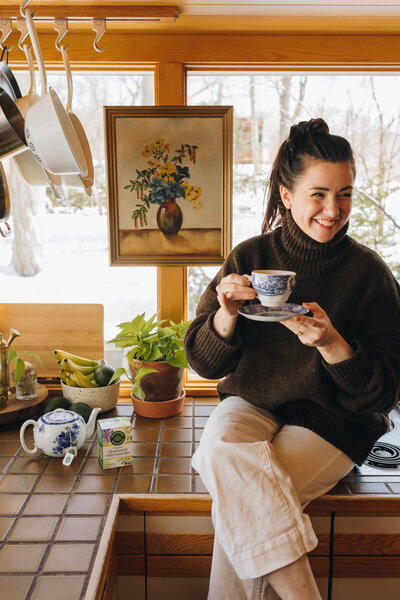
[
  {"x": 165, "y": 384},
  {"x": 159, "y": 410}
]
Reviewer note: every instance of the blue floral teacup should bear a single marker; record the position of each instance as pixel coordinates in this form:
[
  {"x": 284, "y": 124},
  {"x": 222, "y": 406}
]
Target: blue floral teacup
[{"x": 273, "y": 287}]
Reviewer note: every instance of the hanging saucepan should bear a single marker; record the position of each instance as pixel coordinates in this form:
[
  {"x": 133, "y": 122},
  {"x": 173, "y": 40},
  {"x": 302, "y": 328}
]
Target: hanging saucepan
[
  {"x": 7, "y": 79},
  {"x": 77, "y": 181},
  {"x": 4, "y": 203},
  {"x": 12, "y": 136},
  {"x": 27, "y": 165},
  {"x": 48, "y": 128}
]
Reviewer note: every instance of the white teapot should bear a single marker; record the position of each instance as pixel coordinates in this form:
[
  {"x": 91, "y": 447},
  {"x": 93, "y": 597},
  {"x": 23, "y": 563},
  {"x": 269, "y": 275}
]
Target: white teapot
[{"x": 59, "y": 432}]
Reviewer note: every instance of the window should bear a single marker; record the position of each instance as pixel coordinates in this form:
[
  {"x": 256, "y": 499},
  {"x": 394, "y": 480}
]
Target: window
[
  {"x": 359, "y": 107},
  {"x": 59, "y": 248}
]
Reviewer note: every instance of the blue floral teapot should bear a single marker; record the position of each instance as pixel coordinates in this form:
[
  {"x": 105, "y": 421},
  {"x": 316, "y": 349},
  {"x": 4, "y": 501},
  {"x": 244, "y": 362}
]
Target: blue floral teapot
[{"x": 59, "y": 433}]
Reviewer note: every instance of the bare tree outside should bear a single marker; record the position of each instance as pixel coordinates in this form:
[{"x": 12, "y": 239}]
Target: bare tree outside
[{"x": 353, "y": 106}]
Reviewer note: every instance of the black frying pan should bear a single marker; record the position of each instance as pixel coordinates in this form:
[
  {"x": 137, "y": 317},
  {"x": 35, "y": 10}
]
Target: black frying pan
[{"x": 7, "y": 79}]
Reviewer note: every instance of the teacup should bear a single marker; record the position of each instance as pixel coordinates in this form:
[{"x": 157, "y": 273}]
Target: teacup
[{"x": 273, "y": 287}]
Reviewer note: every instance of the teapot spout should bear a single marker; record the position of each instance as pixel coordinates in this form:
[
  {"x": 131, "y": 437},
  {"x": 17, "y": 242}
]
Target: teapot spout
[{"x": 91, "y": 423}]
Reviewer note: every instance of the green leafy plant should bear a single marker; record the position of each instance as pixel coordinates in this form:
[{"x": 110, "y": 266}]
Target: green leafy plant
[
  {"x": 19, "y": 363},
  {"x": 149, "y": 342}
]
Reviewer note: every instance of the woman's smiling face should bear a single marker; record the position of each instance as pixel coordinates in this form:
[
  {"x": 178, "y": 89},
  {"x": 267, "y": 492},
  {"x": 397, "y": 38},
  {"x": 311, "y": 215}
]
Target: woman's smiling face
[{"x": 321, "y": 200}]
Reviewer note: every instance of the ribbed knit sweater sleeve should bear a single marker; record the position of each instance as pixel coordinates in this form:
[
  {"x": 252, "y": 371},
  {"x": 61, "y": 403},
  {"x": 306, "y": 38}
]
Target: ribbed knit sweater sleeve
[
  {"x": 209, "y": 354},
  {"x": 369, "y": 382}
]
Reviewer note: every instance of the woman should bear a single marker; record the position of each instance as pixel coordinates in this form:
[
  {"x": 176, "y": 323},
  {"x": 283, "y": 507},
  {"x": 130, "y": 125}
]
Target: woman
[{"x": 304, "y": 399}]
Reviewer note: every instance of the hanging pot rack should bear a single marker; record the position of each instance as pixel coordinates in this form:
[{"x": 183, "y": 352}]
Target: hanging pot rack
[{"x": 110, "y": 12}]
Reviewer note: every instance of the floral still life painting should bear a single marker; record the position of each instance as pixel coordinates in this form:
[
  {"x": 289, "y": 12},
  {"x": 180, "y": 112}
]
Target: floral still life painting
[
  {"x": 169, "y": 178},
  {"x": 162, "y": 182}
]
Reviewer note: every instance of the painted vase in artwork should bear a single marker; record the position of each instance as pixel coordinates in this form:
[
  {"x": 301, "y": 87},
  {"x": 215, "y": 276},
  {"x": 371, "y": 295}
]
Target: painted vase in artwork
[{"x": 169, "y": 216}]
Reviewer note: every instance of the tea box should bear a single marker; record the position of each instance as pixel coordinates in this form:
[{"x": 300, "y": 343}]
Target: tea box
[{"x": 114, "y": 436}]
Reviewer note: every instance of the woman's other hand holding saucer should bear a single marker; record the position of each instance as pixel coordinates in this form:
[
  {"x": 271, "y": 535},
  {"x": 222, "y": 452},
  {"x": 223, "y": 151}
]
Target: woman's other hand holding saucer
[
  {"x": 319, "y": 332},
  {"x": 232, "y": 293}
]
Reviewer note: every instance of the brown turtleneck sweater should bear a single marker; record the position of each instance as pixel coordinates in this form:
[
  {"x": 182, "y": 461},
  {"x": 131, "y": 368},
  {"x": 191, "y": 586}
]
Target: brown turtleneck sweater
[{"x": 346, "y": 403}]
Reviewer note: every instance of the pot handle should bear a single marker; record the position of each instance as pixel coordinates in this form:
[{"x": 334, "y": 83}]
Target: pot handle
[
  {"x": 22, "y": 433},
  {"x": 37, "y": 50},
  {"x": 68, "y": 73}
]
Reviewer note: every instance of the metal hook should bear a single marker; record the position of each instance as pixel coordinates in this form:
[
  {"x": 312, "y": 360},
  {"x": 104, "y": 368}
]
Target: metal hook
[
  {"x": 22, "y": 27},
  {"x": 6, "y": 29},
  {"x": 99, "y": 26},
  {"x": 61, "y": 26},
  {"x": 23, "y": 7}
]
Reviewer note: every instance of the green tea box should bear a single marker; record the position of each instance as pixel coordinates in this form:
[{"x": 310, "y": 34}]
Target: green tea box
[{"x": 115, "y": 442}]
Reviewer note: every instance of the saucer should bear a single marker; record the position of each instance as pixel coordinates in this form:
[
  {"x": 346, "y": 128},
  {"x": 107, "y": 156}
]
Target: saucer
[{"x": 258, "y": 312}]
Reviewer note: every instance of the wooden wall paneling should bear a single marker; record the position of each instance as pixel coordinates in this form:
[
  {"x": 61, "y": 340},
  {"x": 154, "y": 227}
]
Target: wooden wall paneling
[
  {"x": 131, "y": 50},
  {"x": 77, "y": 328},
  {"x": 170, "y": 89}
]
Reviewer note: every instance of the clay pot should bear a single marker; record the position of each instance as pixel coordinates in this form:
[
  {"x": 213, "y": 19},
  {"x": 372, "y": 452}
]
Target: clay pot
[
  {"x": 159, "y": 410},
  {"x": 165, "y": 384}
]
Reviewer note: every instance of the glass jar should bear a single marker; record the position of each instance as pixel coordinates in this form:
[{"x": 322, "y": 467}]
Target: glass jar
[{"x": 26, "y": 388}]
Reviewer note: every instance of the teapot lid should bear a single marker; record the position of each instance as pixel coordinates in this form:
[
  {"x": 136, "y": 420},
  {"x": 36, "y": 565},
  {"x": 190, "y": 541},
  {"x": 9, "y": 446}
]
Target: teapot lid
[{"x": 61, "y": 416}]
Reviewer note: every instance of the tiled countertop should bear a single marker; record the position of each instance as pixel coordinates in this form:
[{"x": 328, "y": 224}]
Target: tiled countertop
[{"x": 52, "y": 517}]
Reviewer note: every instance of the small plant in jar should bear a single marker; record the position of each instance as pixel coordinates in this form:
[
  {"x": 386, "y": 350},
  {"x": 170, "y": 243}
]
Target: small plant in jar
[{"x": 24, "y": 374}]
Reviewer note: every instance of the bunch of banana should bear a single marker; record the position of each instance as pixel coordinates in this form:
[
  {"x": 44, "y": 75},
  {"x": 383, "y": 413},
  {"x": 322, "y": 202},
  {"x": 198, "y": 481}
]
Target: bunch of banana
[{"x": 77, "y": 371}]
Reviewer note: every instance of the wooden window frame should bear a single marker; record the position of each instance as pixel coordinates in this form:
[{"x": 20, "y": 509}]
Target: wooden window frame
[{"x": 171, "y": 55}]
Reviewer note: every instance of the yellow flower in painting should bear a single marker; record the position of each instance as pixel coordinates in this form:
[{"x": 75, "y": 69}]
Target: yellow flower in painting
[
  {"x": 197, "y": 189},
  {"x": 153, "y": 164},
  {"x": 168, "y": 169},
  {"x": 147, "y": 150},
  {"x": 158, "y": 142}
]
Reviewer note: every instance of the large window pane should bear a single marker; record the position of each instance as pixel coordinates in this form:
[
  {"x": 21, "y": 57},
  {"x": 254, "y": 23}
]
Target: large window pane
[
  {"x": 362, "y": 108},
  {"x": 59, "y": 248}
]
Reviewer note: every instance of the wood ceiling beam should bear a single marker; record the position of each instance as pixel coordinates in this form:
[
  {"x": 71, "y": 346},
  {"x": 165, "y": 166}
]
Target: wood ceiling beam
[{"x": 110, "y": 12}]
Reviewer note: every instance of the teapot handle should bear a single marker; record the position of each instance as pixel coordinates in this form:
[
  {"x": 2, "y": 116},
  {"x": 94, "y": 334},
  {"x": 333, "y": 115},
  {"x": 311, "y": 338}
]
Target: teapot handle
[{"x": 21, "y": 436}]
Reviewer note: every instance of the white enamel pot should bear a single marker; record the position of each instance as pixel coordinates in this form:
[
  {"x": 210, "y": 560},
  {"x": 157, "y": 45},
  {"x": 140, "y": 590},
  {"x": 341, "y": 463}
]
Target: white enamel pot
[
  {"x": 26, "y": 163},
  {"x": 48, "y": 129},
  {"x": 77, "y": 181}
]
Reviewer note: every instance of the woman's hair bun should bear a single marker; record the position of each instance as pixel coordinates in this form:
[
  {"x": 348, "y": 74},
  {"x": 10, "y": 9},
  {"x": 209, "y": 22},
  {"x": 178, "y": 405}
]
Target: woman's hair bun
[{"x": 311, "y": 127}]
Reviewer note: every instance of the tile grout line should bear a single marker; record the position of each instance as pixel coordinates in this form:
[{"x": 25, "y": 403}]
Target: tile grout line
[
  {"x": 101, "y": 529},
  {"x": 156, "y": 459},
  {"x": 50, "y": 542}
]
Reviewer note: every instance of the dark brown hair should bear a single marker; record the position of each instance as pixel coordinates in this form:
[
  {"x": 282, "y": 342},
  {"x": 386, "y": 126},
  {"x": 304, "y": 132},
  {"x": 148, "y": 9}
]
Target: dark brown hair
[{"x": 307, "y": 141}]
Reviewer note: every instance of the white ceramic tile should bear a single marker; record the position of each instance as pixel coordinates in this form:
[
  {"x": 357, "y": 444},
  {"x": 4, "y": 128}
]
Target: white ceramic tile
[
  {"x": 130, "y": 587},
  {"x": 130, "y": 523},
  {"x": 171, "y": 588},
  {"x": 367, "y": 524},
  {"x": 179, "y": 524}
]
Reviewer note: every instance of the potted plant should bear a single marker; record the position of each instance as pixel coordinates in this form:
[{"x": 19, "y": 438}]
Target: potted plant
[
  {"x": 157, "y": 361},
  {"x": 24, "y": 374}
]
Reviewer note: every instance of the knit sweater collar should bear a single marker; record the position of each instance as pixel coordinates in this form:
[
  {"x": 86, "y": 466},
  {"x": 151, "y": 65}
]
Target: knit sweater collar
[{"x": 301, "y": 253}]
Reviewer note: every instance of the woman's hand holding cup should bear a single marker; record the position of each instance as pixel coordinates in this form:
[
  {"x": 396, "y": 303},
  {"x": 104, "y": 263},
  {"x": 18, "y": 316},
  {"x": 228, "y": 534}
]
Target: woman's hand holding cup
[{"x": 233, "y": 292}]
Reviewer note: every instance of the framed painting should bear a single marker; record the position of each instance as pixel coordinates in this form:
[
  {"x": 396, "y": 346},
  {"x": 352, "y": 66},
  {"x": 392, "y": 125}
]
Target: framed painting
[{"x": 169, "y": 179}]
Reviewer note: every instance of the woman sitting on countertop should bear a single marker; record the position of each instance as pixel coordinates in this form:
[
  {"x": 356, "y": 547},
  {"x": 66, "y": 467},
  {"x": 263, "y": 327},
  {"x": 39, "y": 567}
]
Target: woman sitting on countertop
[{"x": 303, "y": 399}]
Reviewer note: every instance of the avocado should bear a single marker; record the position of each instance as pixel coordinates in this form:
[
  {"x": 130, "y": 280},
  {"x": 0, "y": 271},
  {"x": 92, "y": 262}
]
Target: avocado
[
  {"x": 103, "y": 374},
  {"x": 57, "y": 402},
  {"x": 82, "y": 409}
]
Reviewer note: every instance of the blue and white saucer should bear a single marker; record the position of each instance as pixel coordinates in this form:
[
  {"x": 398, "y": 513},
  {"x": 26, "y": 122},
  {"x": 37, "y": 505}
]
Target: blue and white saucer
[{"x": 258, "y": 312}]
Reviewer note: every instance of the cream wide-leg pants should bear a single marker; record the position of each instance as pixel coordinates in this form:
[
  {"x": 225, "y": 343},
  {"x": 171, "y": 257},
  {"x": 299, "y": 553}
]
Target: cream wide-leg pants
[{"x": 260, "y": 474}]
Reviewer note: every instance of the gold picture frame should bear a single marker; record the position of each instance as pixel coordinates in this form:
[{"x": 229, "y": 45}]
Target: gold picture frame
[{"x": 169, "y": 181}]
